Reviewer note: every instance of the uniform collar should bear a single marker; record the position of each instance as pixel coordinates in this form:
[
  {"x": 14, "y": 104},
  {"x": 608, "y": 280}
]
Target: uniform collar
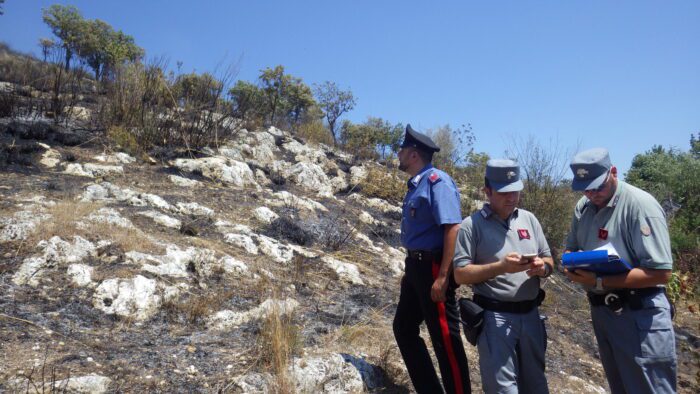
[
  {"x": 487, "y": 212},
  {"x": 616, "y": 196},
  {"x": 416, "y": 179}
]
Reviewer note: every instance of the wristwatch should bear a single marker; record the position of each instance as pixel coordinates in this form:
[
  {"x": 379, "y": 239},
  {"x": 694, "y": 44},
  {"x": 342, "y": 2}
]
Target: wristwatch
[{"x": 599, "y": 283}]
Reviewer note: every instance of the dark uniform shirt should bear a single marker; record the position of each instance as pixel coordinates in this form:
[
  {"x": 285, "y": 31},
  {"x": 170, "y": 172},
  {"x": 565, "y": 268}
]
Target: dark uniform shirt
[{"x": 431, "y": 201}]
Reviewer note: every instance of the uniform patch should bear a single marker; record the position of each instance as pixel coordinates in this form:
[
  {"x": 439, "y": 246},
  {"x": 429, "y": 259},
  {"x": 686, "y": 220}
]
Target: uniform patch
[
  {"x": 602, "y": 233},
  {"x": 413, "y": 212},
  {"x": 523, "y": 233},
  {"x": 646, "y": 231},
  {"x": 434, "y": 177}
]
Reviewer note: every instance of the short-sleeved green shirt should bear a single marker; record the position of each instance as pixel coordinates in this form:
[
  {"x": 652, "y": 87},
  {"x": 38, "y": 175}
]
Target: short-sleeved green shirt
[
  {"x": 485, "y": 238},
  {"x": 633, "y": 222}
]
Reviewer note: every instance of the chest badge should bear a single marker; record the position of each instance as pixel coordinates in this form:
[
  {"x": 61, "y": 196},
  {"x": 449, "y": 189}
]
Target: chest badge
[
  {"x": 602, "y": 233},
  {"x": 523, "y": 233},
  {"x": 646, "y": 230}
]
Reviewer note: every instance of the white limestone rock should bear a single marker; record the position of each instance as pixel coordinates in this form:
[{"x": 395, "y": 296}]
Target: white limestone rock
[
  {"x": 55, "y": 253},
  {"x": 242, "y": 241},
  {"x": 227, "y": 319},
  {"x": 50, "y": 158},
  {"x": 92, "y": 170},
  {"x": 234, "y": 266},
  {"x": 367, "y": 241},
  {"x": 582, "y": 385},
  {"x": 309, "y": 176},
  {"x": 162, "y": 219},
  {"x": 279, "y": 252},
  {"x": 221, "y": 169},
  {"x": 376, "y": 203},
  {"x": 395, "y": 260},
  {"x": 80, "y": 274},
  {"x": 184, "y": 182},
  {"x": 150, "y": 200},
  {"x": 255, "y": 382},
  {"x": 261, "y": 178},
  {"x": 29, "y": 272},
  {"x": 137, "y": 298},
  {"x": 265, "y": 215},
  {"x": 325, "y": 374},
  {"x": 194, "y": 209},
  {"x": 287, "y": 199},
  {"x": 366, "y": 218},
  {"x": 21, "y": 224},
  {"x": 274, "y": 131},
  {"x": 346, "y": 271},
  {"x": 117, "y": 158},
  {"x": 358, "y": 174},
  {"x": 89, "y": 384},
  {"x": 79, "y": 113},
  {"x": 231, "y": 153},
  {"x": 339, "y": 183},
  {"x": 109, "y": 216}
]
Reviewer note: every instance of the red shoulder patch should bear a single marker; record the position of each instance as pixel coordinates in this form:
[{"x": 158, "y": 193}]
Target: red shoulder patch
[{"x": 434, "y": 177}]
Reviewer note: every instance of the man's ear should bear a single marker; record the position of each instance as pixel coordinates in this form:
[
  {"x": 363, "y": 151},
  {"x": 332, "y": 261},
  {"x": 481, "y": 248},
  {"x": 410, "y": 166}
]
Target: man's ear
[
  {"x": 613, "y": 171},
  {"x": 487, "y": 191}
]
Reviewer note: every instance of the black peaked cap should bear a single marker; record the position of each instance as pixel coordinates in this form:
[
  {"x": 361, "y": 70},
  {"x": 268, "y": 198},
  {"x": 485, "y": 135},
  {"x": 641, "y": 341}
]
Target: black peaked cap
[{"x": 418, "y": 140}]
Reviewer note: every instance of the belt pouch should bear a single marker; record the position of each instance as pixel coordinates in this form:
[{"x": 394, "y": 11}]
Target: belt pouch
[{"x": 472, "y": 316}]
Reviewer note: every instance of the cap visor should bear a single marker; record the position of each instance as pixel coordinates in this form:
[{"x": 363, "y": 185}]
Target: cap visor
[
  {"x": 507, "y": 187},
  {"x": 583, "y": 185}
]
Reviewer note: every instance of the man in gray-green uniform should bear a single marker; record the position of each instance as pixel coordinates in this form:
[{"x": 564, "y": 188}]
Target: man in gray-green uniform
[
  {"x": 502, "y": 252},
  {"x": 630, "y": 312}
]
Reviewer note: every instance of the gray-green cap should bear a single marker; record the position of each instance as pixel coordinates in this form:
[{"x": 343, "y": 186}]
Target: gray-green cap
[
  {"x": 504, "y": 175},
  {"x": 590, "y": 169}
]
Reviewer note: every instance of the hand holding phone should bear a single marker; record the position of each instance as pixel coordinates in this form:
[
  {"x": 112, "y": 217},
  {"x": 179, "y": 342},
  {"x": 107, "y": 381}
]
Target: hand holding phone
[{"x": 528, "y": 257}]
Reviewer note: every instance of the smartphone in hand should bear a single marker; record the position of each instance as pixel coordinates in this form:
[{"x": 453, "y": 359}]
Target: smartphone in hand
[{"x": 528, "y": 257}]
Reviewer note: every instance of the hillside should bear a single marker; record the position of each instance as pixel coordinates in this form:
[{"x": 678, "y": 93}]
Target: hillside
[{"x": 255, "y": 266}]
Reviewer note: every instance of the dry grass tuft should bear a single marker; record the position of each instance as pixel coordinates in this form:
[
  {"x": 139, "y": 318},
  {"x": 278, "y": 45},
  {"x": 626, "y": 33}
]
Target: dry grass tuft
[
  {"x": 278, "y": 341},
  {"x": 65, "y": 216},
  {"x": 197, "y": 307},
  {"x": 127, "y": 239}
]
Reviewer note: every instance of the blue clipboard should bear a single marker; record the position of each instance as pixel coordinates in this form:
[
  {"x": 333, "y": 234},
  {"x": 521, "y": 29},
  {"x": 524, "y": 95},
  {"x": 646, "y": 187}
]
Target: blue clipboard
[{"x": 597, "y": 261}]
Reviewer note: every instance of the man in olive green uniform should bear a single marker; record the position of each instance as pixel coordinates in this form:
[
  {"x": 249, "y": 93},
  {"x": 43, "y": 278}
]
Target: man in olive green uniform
[{"x": 630, "y": 312}]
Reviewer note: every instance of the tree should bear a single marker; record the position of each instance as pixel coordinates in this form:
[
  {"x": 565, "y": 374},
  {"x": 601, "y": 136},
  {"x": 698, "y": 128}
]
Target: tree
[
  {"x": 46, "y": 45},
  {"x": 68, "y": 25},
  {"x": 299, "y": 100},
  {"x": 102, "y": 48},
  {"x": 371, "y": 138},
  {"x": 333, "y": 102},
  {"x": 671, "y": 176},
  {"x": 275, "y": 84},
  {"x": 248, "y": 101},
  {"x": 1, "y": 10}
]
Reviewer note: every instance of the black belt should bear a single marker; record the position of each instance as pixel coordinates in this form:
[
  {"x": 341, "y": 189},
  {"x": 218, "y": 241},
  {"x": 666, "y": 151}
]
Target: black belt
[
  {"x": 617, "y": 298},
  {"x": 425, "y": 255},
  {"x": 509, "y": 307}
]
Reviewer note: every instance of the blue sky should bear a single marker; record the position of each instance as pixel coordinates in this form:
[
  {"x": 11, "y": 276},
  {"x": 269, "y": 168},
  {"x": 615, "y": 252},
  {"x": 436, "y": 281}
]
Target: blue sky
[{"x": 622, "y": 74}]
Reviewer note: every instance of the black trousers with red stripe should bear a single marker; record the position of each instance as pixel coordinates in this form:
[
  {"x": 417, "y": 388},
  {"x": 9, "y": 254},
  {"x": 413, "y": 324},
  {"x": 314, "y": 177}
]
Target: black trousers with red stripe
[{"x": 442, "y": 319}]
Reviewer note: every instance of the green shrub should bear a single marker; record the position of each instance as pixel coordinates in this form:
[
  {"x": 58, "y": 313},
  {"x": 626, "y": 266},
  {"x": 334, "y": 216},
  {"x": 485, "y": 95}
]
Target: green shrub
[
  {"x": 387, "y": 185},
  {"x": 124, "y": 139},
  {"x": 315, "y": 131}
]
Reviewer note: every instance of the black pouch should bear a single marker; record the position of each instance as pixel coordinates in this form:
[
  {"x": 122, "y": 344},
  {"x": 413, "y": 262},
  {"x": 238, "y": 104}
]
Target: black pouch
[{"x": 472, "y": 316}]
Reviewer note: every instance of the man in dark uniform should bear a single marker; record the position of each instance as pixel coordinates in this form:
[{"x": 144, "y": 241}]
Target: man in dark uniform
[{"x": 431, "y": 218}]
